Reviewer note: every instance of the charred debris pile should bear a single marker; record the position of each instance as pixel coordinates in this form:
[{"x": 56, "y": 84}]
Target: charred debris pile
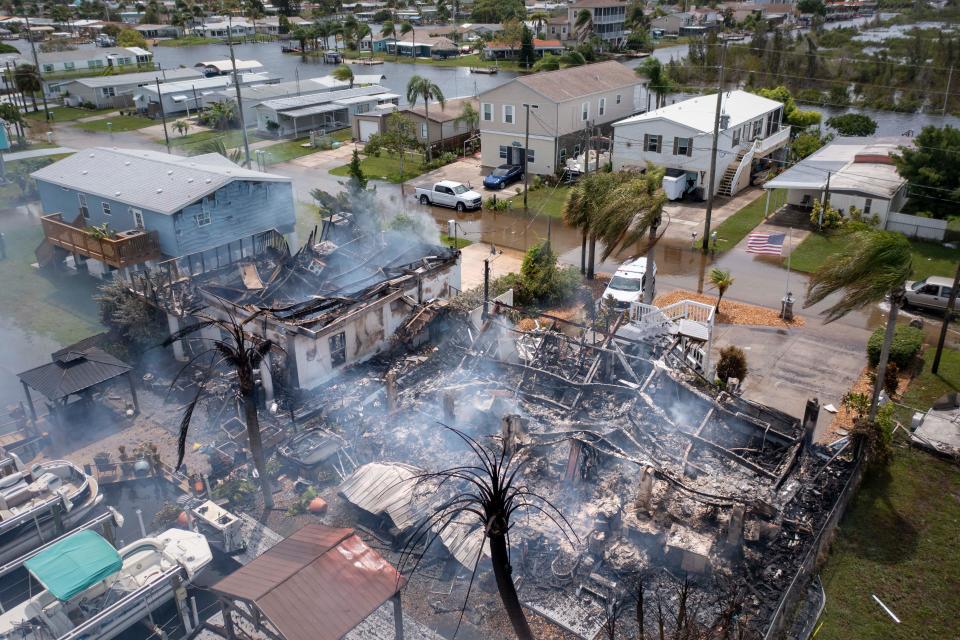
[{"x": 657, "y": 472}]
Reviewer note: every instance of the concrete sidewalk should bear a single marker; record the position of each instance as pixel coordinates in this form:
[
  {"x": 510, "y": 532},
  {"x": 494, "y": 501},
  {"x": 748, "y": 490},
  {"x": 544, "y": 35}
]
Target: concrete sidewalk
[{"x": 36, "y": 153}]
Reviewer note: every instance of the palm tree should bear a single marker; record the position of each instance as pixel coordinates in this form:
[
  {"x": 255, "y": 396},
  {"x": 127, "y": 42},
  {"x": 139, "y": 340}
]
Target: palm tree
[
  {"x": 659, "y": 82},
  {"x": 388, "y": 30},
  {"x": 405, "y": 28},
  {"x": 874, "y": 264},
  {"x": 584, "y": 209},
  {"x": 491, "y": 492},
  {"x": 443, "y": 12},
  {"x": 244, "y": 353},
  {"x": 539, "y": 18},
  {"x": 469, "y": 116},
  {"x": 363, "y": 30},
  {"x": 422, "y": 88},
  {"x": 254, "y": 10},
  {"x": 343, "y": 73},
  {"x": 583, "y": 24},
  {"x": 349, "y": 27},
  {"x": 27, "y": 80},
  {"x": 721, "y": 281}
]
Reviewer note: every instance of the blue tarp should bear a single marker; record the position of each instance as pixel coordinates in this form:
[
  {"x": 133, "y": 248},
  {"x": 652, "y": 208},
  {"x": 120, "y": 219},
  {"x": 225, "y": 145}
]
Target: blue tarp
[{"x": 71, "y": 565}]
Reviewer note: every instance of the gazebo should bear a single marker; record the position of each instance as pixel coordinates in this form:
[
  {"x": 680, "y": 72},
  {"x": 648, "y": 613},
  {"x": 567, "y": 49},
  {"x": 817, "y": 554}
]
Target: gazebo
[{"x": 74, "y": 372}]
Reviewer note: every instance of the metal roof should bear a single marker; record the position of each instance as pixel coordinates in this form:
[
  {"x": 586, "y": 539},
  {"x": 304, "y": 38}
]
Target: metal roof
[
  {"x": 73, "y": 371},
  {"x": 698, "y": 113},
  {"x": 139, "y": 78},
  {"x": 225, "y": 65},
  {"x": 299, "y": 102},
  {"x": 312, "y": 111},
  {"x": 148, "y": 179},
  {"x": 385, "y": 488},
  {"x": 318, "y": 584}
]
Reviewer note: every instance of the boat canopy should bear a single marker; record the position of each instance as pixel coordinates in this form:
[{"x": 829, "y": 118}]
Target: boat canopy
[{"x": 74, "y": 564}]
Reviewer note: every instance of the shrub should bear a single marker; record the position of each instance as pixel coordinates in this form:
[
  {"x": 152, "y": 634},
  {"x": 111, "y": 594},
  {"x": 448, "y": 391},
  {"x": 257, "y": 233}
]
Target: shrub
[
  {"x": 907, "y": 342},
  {"x": 891, "y": 378},
  {"x": 732, "y": 364},
  {"x": 832, "y": 218},
  {"x": 497, "y": 204},
  {"x": 542, "y": 282},
  {"x": 877, "y": 437}
]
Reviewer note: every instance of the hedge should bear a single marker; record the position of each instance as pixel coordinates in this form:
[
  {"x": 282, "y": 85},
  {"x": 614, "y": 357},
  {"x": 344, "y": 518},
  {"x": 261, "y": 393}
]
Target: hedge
[{"x": 907, "y": 342}]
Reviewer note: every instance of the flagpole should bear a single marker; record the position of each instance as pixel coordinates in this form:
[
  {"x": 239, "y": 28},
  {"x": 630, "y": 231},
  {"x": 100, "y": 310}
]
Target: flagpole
[{"x": 789, "y": 254}]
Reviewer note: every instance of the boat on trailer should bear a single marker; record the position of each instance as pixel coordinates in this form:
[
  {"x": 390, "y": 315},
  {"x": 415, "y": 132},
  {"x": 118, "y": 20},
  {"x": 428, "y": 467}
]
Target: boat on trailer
[
  {"x": 92, "y": 590},
  {"x": 40, "y": 503}
]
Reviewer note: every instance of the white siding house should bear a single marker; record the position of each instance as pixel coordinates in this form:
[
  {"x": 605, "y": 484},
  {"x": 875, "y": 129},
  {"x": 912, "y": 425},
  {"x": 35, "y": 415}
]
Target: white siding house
[{"x": 680, "y": 137}]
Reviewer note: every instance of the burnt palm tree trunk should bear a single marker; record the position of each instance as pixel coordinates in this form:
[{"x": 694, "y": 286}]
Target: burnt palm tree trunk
[
  {"x": 592, "y": 257},
  {"x": 895, "y": 298},
  {"x": 256, "y": 442},
  {"x": 583, "y": 251},
  {"x": 502, "y": 571}
]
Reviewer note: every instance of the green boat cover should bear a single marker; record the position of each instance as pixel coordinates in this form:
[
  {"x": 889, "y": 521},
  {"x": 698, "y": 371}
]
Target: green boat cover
[{"x": 71, "y": 565}]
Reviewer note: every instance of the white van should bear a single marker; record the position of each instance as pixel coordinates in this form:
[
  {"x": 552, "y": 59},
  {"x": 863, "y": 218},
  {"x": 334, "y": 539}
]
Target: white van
[{"x": 626, "y": 286}]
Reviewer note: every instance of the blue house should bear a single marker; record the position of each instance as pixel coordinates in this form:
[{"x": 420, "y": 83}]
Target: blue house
[{"x": 122, "y": 208}]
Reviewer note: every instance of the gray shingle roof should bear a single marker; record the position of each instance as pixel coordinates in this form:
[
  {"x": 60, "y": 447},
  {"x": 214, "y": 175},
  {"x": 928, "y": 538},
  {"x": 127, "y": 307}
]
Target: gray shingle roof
[
  {"x": 73, "y": 371},
  {"x": 575, "y": 82},
  {"x": 148, "y": 179}
]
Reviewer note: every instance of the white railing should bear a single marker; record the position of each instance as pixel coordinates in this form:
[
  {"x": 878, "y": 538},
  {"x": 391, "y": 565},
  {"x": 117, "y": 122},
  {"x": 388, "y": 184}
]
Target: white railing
[
  {"x": 745, "y": 163},
  {"x": 764, "y": 145},
  {"x": 690, "y": 310},
  {"x": 652, "y": 320}
]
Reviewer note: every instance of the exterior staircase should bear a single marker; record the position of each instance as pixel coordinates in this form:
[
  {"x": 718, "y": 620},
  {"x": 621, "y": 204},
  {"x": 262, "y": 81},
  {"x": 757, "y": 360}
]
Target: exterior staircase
[{"x": 727, "y": 181}]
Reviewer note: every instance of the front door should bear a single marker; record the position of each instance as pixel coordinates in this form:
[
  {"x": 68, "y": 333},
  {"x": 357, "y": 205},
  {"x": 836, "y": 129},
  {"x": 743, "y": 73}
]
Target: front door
[{"x": 515, "y": 155}]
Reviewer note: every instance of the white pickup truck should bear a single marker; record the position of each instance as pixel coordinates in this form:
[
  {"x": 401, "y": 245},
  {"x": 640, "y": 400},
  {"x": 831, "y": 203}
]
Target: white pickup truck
[{"x": 448, "y": 193}]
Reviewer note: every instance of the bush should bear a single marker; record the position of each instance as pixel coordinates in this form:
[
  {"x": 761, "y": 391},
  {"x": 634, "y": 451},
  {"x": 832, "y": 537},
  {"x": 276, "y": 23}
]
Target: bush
[
  {"x": 907, "y": 342},
  {"x": 496, "y": 204},
  {"x": 542, "y": 282},
  {"x": 732, "y": 364},
  {"x": 832, "y": 218},
  {"x": 891, "y": 378}
]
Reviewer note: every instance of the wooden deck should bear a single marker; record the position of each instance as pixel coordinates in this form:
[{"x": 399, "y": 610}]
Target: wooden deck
[{"x": 123, "y": 249}]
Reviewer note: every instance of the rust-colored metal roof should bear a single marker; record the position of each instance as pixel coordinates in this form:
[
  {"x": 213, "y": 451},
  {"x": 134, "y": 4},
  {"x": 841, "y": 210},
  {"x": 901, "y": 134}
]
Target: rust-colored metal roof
[{"x": 318, "y": 584}]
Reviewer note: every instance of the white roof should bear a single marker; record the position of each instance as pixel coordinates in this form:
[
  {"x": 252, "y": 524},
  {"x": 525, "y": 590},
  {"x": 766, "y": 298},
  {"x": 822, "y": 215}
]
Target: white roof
[
  {"x": 226, "y": 65},
  {"x": 149, "y": 179},
  {"x": 698, "y": 113},
  {"x": 359, "y": 79},
  {"x": 301, "y": 102},
  {"x": 139, "y": 78}
]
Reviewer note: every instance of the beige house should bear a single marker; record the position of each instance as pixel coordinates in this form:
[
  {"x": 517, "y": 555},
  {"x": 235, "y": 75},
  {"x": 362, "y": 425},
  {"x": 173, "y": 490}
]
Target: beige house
[
  {"x": 567, "y": 107},
  {"x": 446, "y": 130}
]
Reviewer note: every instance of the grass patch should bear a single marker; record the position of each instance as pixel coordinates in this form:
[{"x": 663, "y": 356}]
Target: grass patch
[
  {"x": 447, "y": 241},
  {"x": 898, "y": 540},
  {"x": 283, "y": 151},
  {"x": 341, "y": 135},
  {"x": 119, "y": 124},
  {"x": 231, "y": 139},
  {"x": 929, "y": 259},
  {"x": 386, "y": 167},
  {"x": 546, "y": 200},
  {"x": 52, "y": 304},
  {"x": 735, "y": 228},
  {"x": 67, "y": 114},
  {"x": 187, "y": 41}
]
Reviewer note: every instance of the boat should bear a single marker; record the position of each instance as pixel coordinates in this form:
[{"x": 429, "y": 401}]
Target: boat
[
  {"x": 40, "y": 503},
  {"x": 92, "y": 590},
  {"x": 487, "y": 70}
]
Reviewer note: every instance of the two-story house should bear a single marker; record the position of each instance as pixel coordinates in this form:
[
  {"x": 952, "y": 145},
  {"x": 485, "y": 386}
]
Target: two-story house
[
  {"x": 680, "y": 138},
  {"x": 607, "y": 19},
  {"x": 120, "y": 208},
  {"x": 567, "y": 108}
]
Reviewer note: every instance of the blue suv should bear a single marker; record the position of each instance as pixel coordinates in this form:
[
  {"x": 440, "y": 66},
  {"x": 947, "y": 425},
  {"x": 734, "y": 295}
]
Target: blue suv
[{"x": 503, "y": 176}]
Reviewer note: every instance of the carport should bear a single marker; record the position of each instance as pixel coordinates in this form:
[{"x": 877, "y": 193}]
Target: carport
[
  {"x": 318, "y": 584},
  {"x": 322, "y": 116}
]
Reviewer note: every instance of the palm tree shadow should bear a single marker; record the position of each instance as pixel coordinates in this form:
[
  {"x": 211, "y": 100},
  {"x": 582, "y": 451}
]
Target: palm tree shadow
[{"x": 888, "y": 537}]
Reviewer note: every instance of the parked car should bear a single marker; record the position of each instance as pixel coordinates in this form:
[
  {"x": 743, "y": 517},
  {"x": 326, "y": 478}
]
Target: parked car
[
  {"x": 932, "y": 293},
  {"x": 626, "y": 286},
  {"x": 503, "y": 176},
  {"x": 448, "y": 193}
]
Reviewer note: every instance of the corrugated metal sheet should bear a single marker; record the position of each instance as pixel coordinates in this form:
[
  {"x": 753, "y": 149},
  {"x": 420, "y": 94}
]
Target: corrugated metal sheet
[
  {"x": 73, "y": 371},
  {"x": 316, "y": 585},
  {"x": 385, "y": 488}
]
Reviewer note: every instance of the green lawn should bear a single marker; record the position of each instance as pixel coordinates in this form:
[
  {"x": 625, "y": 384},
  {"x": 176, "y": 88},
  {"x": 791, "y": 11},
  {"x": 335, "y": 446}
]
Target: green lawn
[
  {"x": 119, "y": 123},
  {"x": 927, "y": 387},
  {"x": 193, "y": 142},
  {"x": 546, "y": 200},
  {"x": 56, "y": 305},
  {"x": 187, "y": 41},
  {"x": 447, "y": 241},
  {"x": 929, "y": 259},
  {"x": 386, "y": 167},
  {"x": 472, "y": 60},
  {"x": 735, "y": 228},
  {"x": 67, "y": 114}
]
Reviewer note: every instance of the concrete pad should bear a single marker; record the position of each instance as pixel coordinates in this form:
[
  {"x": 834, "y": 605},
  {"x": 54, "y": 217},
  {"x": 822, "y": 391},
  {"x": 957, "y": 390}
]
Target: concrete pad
[
  {"x": 939, "y": 431},
  {"x": 687, "y": 217},
  {"x": 325, "y": 159},
  {"x": 471, "y": 264},
  {"x": 466, "y": 170},
  {"x": 788, "y": 366}
]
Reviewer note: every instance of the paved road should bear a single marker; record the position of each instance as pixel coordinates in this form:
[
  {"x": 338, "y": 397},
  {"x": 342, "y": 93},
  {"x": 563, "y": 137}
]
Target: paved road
[{"x": 36, "y": 153}]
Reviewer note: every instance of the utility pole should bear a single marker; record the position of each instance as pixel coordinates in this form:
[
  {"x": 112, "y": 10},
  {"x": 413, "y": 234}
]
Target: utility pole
[
  {"x": 824, "y": 202},
  {"x": 486, "y": 286},
  {"x": 236, "y": 83},
  {"x": 526, "y": 159},
  {"x": 36, "y": 66},
  {"x": 713, "y": 153},
  {"x": 163, "y": 116},
  {"x": 946, "y": 94},
  {"x": 947, "y": 314}
]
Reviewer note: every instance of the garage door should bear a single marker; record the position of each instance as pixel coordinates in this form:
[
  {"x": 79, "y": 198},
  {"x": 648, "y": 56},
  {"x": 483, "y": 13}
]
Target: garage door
[{"x": 368, "y": 128}]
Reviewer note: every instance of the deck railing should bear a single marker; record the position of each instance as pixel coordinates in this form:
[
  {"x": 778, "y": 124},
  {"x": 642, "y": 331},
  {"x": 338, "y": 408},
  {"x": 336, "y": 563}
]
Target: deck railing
[{"x": 128, "y": 248}]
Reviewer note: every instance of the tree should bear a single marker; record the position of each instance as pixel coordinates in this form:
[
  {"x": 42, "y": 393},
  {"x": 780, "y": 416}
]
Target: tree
[
  {"x": 358, "y": 181},
  {"x": 283, "y": 24},
  {"x": 131, "y": 38},
  {"x": 792, "y": 114},
  {"x": 630, "y": 210},
  {"x": 443, "y": 12},
  {"x": 181, "y": 127},
  {"x": 469, "y": 116},
  {"x": 363, "y": 30},
  {"x": 151, "y": 14},
  {"x": 721, "y": 281},
  {"x": 805, "y": 144},
  {"x": 405, "y": 28},
  {"x": 215, "y": 145},
  {"x": 388, "y": 30},
  {"x": 732, "y": 364},
  {"x": 853, "y": 124},
  {"x": 527, "y": 53},
  {"x": 498, "y": 11},
  {"x": 539, "y": 18},
  {"x": 11, "y": 113},
  {"x": 490, "y": 490},
  {"x": 659, "y": 82},
  {"x": 584, "y": 206},
  {"x": 813, "y": 7},
  {"x": 343, "y": 73},
  {"x": 301, "y": 35},
  {"x": 422, "y": 88},
  {"x": 870, "y": 266},
  {"x": 243, "y": 352},
  {"x": 932, "y": 167},
  {"x": 27, "y": 79},
  {"x": 255, "y": 9},
  {"x": 583, "y": 24},
  {"x": 399, "y": 135}
]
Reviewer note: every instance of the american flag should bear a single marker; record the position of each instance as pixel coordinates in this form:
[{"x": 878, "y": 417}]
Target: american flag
[{"x": 768, "y": 244}]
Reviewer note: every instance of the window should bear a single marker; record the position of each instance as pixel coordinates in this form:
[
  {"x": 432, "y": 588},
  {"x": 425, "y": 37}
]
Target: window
[
  {"x": 424, "y": 131},
  {"x": 736, "y": 137},
  {"x": 503, "y": 151},
  {"x": 338, "y": 349},
  {"x": 94, "y": 64},
  {"x": 585, "y": 111},
  {"x": 530, "y": 156},
  {"x": 106, "y": 208},
  {"x": 757, "y": 128},
  {"x": 745, "y": 132},
  {"x": 563, "y": 155},
  {"x": 683, "y": 146},
  {"x": 108, "y": 92},
  {"x": 202, "y": 218},
  {"x": 576, "y": 151},
  {"x": 651, "y": 144},
  {"x": 47, "y": 68},
  {"x": 602, "y": 106},
  {"x": 68, "y": 66},
  {"x": 508, "y": 114},
  {"x": 363, "y": 108},
  {"x": 487, "y": 110},
  {"x": 82, "y": 201},
  {"x": 619, "y": 97},
  {"x": 867, "y": 205},
  {"x": 137, "y": 218}
]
